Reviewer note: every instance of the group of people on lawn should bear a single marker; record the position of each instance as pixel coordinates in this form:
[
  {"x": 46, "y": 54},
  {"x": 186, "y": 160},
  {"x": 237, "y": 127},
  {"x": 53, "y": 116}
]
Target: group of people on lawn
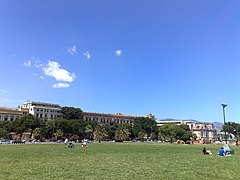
[
  {"x": 69, "y": 144},
  {"x": 221, "y": 152}
]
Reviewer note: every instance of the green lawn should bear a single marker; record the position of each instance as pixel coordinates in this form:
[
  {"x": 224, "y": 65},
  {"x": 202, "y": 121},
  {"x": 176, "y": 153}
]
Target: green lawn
[{"x": 116, "y": 161}]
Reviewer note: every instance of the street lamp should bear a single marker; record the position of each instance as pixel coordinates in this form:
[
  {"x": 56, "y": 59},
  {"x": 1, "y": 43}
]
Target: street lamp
[{"x": 224, "y": 122}]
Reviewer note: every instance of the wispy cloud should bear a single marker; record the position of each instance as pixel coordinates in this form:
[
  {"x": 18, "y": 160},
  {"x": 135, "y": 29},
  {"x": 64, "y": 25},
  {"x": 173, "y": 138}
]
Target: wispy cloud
[
  {"x": 28, "y": 63},
  {"x": 118, "y": 52},
  {"x": 53, "y": 69},
  {"x": 41, "y": 77},
  {"x": 60, "y": 85},
  {"x": 72, "y": 50},
  {"x": 87, "y": 55}
]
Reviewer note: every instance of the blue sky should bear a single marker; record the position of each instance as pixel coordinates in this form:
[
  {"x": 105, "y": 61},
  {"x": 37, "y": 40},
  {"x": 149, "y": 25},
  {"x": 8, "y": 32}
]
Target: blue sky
[{"x": 172, "y": 58}]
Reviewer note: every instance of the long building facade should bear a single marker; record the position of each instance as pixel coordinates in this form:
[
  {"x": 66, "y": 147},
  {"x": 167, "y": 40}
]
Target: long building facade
[
  {"x": 47, "y": 111},
  {"x": 108, "y": 118}
]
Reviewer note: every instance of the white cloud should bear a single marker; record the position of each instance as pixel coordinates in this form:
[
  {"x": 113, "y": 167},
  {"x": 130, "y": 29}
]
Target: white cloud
[
  {"x": 53, "y": 69},
  {"x": 60, "y": 85},
  {"x": 41, "y": 77},
  {"x": 87, "y": 55},
  {"x": 28, "y": 63},
  {"x": 72, "y": 50},
  {"x": 118, "y": 52}
]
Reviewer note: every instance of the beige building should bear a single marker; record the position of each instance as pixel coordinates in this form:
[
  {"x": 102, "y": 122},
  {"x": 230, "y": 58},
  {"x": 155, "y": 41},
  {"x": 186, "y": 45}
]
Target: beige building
[
  {"x": 44, "y": 111},
  {"x": 10, "y": 114},
  {"x": 108, "y": 118},
  {"x": 204, "y": 131}
]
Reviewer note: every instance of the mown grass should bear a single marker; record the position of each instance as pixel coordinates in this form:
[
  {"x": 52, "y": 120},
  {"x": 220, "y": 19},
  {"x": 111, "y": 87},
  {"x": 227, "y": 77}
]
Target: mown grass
[{"x": 116, "y": 161}]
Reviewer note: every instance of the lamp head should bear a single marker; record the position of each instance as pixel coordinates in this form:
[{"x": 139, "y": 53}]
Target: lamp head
[{"x": 224, "y": 105}]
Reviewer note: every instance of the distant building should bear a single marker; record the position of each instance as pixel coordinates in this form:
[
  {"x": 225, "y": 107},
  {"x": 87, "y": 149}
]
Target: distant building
[
  {"x": 165, "y": 121},
  {"x": 44, "y": 111},
  {"x": 10, "y": 114},
  {"x": 204, "y": 131},
  {"x": 108, "y": 118}
]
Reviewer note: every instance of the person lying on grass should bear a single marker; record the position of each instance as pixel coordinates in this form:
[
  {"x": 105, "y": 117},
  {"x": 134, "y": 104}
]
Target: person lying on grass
[{"x": 206, "y": 152}]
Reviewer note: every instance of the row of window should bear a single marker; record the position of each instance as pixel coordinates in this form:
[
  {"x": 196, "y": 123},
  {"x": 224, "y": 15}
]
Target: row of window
[
  {"x": 46, "y": 110},
  {"x": 108, "y": 120},
  {"x": 45, "y": 116},
  {"x": 7, "y": 118}
]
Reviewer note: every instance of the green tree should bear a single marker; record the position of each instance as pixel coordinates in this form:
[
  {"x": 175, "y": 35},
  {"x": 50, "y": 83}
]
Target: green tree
[
  {"x": 173, "y": 131},
  {"x": 146, "y": 125},
  {"x": 100, "y": 133},
  {"x": 122, "y": 133},
  {"x": 183, "y": 133},
  {"x": 141, "y": 135},
  {"x": 72, "y": 113},
  {"x": 3, "y": 133},
  {"x": 234, "y": 128},
  {"x": 167, "y": 131},
  {"x": 153, "y": 136},
  {"x": 58, "y": 134},
  {"x": 88, "y": 131},
  {"x": 37, "y": 133}
]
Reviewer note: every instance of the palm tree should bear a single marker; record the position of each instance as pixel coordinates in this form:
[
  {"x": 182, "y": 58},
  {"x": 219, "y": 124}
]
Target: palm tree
[
  {"x": 59, "y": 134},
  {"x": 122, "y": 133},
  {"x": 88, "y": 131},
  {"x": 100, "y": 133},
  {"x": 141, "y": 135},
  {"x": 37, "y": 133}
]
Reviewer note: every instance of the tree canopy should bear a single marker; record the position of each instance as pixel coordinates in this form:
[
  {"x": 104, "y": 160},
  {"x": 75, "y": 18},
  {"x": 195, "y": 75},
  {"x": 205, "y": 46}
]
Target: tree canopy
[{"x": 72, "y": 113}]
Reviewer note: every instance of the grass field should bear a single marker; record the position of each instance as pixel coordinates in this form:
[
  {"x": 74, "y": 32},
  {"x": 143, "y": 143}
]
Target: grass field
[{"x": 116, "y": 161}]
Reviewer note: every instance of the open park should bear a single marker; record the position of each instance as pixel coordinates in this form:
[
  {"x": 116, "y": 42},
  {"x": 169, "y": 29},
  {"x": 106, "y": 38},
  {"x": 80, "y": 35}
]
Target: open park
[{"x": 105, "y": 160}]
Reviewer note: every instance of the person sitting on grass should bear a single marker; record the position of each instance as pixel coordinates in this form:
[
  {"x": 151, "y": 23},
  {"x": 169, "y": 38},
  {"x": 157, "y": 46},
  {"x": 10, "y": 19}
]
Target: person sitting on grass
[
  {"x": 221, "y": 152},
  {"x": 206, "y": 152}
]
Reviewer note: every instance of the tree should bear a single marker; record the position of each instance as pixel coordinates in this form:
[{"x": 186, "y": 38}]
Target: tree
[
  {"x": 37, "y": 133},
  {"x": 122, "y": 133},
  {"x": 100, "y": 133},
  {"x": 183, "y": 133},
  {"x": 167, "y": 131},
  {"x": 234, "y": 128},
  {"x": 88, "y": 131},
  {"x": 3, "y": 133},
  {"x": 153, "y": 136},
  {"x": 173, "y": 131},
  {"x": 146, "y": 125},
  {"x": 72, "y": 113},
  {"x": 141, "y": 135},
  {"x": 59, "y": 134}
]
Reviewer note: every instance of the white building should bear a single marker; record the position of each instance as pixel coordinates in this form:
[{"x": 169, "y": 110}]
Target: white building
[{"x": 44, "y": 111}]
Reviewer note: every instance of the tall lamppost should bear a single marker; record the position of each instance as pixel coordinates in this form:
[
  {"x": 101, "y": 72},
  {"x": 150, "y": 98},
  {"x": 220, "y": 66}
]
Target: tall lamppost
[{"x": 224, "y": 121}]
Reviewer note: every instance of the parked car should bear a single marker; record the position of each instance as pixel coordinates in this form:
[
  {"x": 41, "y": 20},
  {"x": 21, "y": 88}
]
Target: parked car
[
  {"x": 5, "y": 141},
  {"x": 18, "y": 142}
]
